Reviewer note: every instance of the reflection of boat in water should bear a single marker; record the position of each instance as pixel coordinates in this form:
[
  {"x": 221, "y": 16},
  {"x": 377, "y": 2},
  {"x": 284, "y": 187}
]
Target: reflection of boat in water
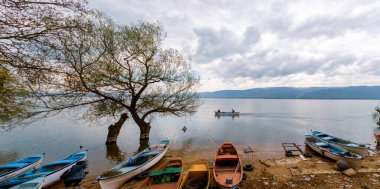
[
  {"x": 218, "y": 113},
  {"x": 376, "y": 132}
]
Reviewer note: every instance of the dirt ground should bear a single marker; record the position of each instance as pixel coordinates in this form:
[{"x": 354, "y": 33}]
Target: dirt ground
[{"x": 272, "y": 170}]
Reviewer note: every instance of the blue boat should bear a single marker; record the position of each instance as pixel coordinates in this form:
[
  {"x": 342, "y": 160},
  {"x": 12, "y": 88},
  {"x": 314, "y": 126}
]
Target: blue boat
[
  {"x": 357, "y": 148},
  {"x": 32, "y": 184},
  {"x": 333, "y": 152},
  {"x": 12, "y": 169},
  {"x": 52, "y": 171}
]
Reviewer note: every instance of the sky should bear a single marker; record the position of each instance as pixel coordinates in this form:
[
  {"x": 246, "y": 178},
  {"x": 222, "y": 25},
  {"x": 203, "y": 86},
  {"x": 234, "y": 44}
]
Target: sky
[{"x": 253, "y": 43}]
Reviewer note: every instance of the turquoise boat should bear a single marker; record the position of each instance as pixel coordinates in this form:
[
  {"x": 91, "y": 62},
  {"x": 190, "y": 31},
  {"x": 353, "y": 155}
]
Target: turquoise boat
[
  {"x": 52, "y": 171},
  {"x": 333, "y": 152},
  {"x": 12, "y": 169},
  {"x": 33, "y": 184},
  {"x": 357, "y": 148}
]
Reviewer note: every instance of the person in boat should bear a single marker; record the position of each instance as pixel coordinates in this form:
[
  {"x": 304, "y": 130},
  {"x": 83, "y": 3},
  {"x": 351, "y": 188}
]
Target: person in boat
[
  {"x": 218, "y": 111},
  {"x": 233, "y": 111}
]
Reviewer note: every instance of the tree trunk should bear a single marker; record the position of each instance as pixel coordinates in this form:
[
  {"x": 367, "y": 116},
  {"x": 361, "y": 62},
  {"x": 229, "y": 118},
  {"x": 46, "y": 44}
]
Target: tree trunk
[
  {"x": 144, "y": 126},
  {"x": 114, "y": 129}
]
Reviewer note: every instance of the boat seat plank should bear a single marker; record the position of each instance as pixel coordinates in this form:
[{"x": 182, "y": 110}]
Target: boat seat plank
[
  {"x": 322, "y": 144},
  {"x": 328, "y": 138},
  {"x": 227, "y": 157}
]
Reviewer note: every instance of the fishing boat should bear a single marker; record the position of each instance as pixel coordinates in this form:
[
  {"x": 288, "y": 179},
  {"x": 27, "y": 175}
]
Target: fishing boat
[
  {"x": 12, "y": 169},
  {"x": 32, "y": 184},
  {"x": 197, "y": 177},
  {"x": 52, "y": 171},
  {"x": 135, "y": 165},
  {"x": 333, "y": 152},
  {"x": 360, "y": 149},
  {"x": 167, "y": 176},
  {"x": 218, "y": 113},
  {"x": 228, "y": 171}
]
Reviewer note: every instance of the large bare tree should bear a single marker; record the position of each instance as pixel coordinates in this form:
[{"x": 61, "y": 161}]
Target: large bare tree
[
  {"x": 119, "y": 71},
  {"x": 69, "y": 56}
]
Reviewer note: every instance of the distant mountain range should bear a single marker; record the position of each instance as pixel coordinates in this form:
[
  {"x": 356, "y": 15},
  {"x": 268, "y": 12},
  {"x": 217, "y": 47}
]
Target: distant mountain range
[{"x": 355, "y": 92}]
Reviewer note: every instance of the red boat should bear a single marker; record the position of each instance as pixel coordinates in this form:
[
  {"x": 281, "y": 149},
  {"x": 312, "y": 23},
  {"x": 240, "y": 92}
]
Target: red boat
[{"x": 228, "y": 171}]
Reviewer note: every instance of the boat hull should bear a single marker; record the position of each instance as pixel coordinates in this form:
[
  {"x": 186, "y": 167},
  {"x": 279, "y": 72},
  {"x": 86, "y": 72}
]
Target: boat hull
[
  {"x": 200, "y": 169},
  {"x": 13, "y": 174},
  {"x": 227, "y": 113},
  {"x": 355, "y": 163},
  {"x": 362, "y": 151},
  {"x": 116, "y": 182},
  {"x": 220, "y": 177},
  {"x": 32, "y": 184},
  {"x": 56, "y": 176}
]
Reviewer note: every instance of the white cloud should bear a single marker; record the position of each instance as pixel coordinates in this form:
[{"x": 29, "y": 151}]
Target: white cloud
[{"x": 247, "y": 44}]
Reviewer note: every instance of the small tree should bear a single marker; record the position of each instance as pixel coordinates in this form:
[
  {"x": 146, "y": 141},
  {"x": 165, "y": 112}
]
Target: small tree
[{"x": 118, "y": 70}]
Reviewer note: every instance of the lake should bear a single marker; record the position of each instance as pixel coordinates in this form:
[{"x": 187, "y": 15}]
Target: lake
[{"x": 263, "y": 122}]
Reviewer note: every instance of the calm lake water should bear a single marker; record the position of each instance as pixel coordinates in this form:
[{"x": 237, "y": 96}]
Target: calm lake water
[{"x": 262, "y": 122}]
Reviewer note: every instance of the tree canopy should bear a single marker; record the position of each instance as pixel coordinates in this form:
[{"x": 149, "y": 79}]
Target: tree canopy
[
  {"x": 68, "y": 56},
  {"x": 26, "y": 25}
]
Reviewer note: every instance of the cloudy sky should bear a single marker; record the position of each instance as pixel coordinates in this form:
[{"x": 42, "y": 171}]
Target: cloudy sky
[{"x": 247, "y": 44}]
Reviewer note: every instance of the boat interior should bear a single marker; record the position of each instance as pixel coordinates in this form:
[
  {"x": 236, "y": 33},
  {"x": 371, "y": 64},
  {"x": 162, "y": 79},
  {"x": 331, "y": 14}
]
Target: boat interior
[
  {"x": 197, "y": 177},
  {"x": 50, "y": 167},
  {"x": 227, "y": 165},
  {"x": 330, "y": 148},
  {"x": 6, "y": 170},
  {"x": 334, "y": 139},
  {"x": 167, "y": 176}
]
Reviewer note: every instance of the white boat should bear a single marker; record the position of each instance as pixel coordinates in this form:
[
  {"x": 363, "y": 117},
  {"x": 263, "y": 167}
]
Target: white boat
[
  {"x": 218, "y": 113},
  {"x": 32, "y": 184},
  {"x": 135, "y": 165},
  {"x": 52, "y": 171},
  {"x": 360, "y": 149},
  {"x": 333, "y": 152},
  {"x": 12, "y": 169}
]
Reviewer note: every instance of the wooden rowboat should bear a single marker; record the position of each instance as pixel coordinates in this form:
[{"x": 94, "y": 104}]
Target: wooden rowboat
[
  {"x": 333, "y": 152},
  {"x": 167, "y": 176},
  {"x": 228, "y": 171},
  {"x": 135, "y": 165},
  {"x": 197, "y": 177},
  {"x": 52, "y": 171},
  {"x": 32, "y": 184},
  {"x": 360, "y": 149},
  {"x": 12, "y": 169}
]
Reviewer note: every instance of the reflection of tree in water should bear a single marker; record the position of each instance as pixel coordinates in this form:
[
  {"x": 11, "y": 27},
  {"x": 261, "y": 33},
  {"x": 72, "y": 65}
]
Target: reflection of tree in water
[
  {"x": 114, "y": 153},
  {"x": 7, "y": 157}
]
